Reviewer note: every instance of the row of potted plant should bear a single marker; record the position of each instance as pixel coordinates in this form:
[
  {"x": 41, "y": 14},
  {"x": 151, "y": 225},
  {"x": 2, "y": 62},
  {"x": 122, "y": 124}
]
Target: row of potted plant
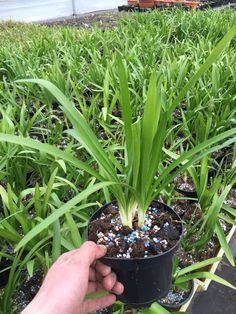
[
  {"x": 147, "y": 4},
  {"x": 134, "y": 215},
  {"x": 42, "y": 205}
]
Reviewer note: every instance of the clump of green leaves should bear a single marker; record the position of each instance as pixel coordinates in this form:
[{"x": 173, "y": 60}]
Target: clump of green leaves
[{"x": 142, "y": 176}]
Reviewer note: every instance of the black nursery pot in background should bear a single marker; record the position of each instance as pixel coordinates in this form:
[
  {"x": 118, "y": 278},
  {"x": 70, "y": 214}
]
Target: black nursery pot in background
[
  {"x": 190, "y": 194},
  {"x": 145, "y": 279},
  {"x": 177, "y": 307},
  {"x": 4, "y": 276}
]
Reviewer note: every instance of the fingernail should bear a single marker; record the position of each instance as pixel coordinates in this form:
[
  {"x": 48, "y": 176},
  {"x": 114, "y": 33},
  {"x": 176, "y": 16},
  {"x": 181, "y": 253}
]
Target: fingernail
[{"x": 103, "y": 247}]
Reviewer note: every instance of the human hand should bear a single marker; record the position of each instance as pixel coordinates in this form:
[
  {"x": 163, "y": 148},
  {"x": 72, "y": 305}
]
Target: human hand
[{"x": 71, "y": 277}]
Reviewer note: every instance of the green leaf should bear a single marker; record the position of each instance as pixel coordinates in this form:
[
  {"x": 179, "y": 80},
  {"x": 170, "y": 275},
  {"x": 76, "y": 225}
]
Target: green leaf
[
  {"x": 124, "y": 97},
  {"x": 150, "y": 122},
  {"x": 48, "y": 192},
  {"x": 82, "y": 130},
  {"x": 30, "y": 267},
  {"x": 59, "y": 212},
  {"x": 206, "y": 275},
  {"x": 136, "y": 134},
  {"x": 37, "y": 202},
  {"x": 230, "y": 210},
  {"x": 199, "y": 265},
  {"x": 223, "y": 243},
  {"x": 191, "y": 156},
  {"x": 96, "y": 295},
  {"x": 227, "y": 219},
  {"x": 156, "y": 308},
  {"x": 56, "y": 243},
  {"x": 62, "y": 164},
  {"x": 75, "y": 235}
]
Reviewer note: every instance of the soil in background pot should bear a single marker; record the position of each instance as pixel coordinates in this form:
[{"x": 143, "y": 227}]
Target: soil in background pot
[
  {"x": 28, "y": 289},
  {"x": 210, "y": 250}
]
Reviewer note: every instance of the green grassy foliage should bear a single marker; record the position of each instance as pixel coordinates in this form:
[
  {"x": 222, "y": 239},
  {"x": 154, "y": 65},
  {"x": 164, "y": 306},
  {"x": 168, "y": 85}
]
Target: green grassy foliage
[{"x": 137, "y": 104}]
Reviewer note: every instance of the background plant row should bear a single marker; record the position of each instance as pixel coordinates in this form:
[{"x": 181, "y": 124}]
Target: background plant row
[{"x": 82, "y": 64}]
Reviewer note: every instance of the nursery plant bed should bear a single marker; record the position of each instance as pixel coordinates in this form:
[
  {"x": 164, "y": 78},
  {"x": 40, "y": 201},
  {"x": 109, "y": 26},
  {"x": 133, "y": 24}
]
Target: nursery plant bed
[
  {"x": 216, "y": 4},
  {"x": 222, "y": 298},
  {"x": 204, "y": 284},
  {"x": 27, "y": 290},
  {"x": 101, "y": 20}
]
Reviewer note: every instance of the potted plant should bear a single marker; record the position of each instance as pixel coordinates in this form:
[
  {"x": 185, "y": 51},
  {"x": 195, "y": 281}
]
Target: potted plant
[
  {"x": 179, "y": 294},
  {"x": 192, "y": 4},
  {"x": 147, "y": 259},
  {"x": 211, "y": 198},
  {"x": 159, "y": 3},
  {"x": 133, "y": 2},
  {"x": 146, "y": 4},
  {"x": 137, "y": 178},
  {"x": 182, "y": 289}
]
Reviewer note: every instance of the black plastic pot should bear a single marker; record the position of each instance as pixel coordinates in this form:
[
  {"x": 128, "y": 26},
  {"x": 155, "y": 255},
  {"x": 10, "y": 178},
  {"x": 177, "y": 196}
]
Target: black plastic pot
[
  {"x": 4, "y": 276},
  {"x": 127, "y": 8},
  {"x": 215, "y": 4},
  {"x": 176, "y": 307},
  {"x": 190, "y": 194},
  {"x": 145, "y": 279}
]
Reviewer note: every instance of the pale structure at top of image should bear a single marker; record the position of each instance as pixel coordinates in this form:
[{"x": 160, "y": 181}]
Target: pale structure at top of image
[{"x": 39, "y": 10}]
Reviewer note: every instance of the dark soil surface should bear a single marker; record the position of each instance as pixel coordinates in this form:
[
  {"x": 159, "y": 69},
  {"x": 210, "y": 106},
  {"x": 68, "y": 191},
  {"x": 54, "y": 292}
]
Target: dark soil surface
[
  {"x": 160, "y": 233},
  {"x": 231, "y": 198},
  {"x": 181, "y": 206},
  {"x": 27, "y": 291},
  {"x": 189, "y": 211},
  {"x": 225, "y": 160},
  {"x": 184, "y": 183},
  {"x": 105, "y": 20},
  {"x": 209, "y": 251}
]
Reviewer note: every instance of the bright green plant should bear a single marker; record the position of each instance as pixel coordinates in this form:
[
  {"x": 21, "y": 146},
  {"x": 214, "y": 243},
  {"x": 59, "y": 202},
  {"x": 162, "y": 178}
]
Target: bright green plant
[
  {"x": 181, "y": 277},
  {"x": 211, "y": 195},
  {"x": 39, "y": 241},
  {"x": 82, "y": 68},
  {"x": 137, "y": 185}
]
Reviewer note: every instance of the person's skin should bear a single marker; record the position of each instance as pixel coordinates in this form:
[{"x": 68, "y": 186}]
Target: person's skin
[{"x": 71, "y": 278}]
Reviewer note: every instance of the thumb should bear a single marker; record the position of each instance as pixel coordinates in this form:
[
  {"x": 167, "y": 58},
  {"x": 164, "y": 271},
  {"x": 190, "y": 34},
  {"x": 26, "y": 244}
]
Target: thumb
[{"x": 90, "y": 252}]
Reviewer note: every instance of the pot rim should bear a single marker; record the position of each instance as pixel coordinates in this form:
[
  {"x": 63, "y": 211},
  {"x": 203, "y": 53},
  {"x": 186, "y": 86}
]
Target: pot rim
[
  {"x": 139, "y": 258},
  {"x": 192, "y": 194},
  {"x": 176, "y": 306}
]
